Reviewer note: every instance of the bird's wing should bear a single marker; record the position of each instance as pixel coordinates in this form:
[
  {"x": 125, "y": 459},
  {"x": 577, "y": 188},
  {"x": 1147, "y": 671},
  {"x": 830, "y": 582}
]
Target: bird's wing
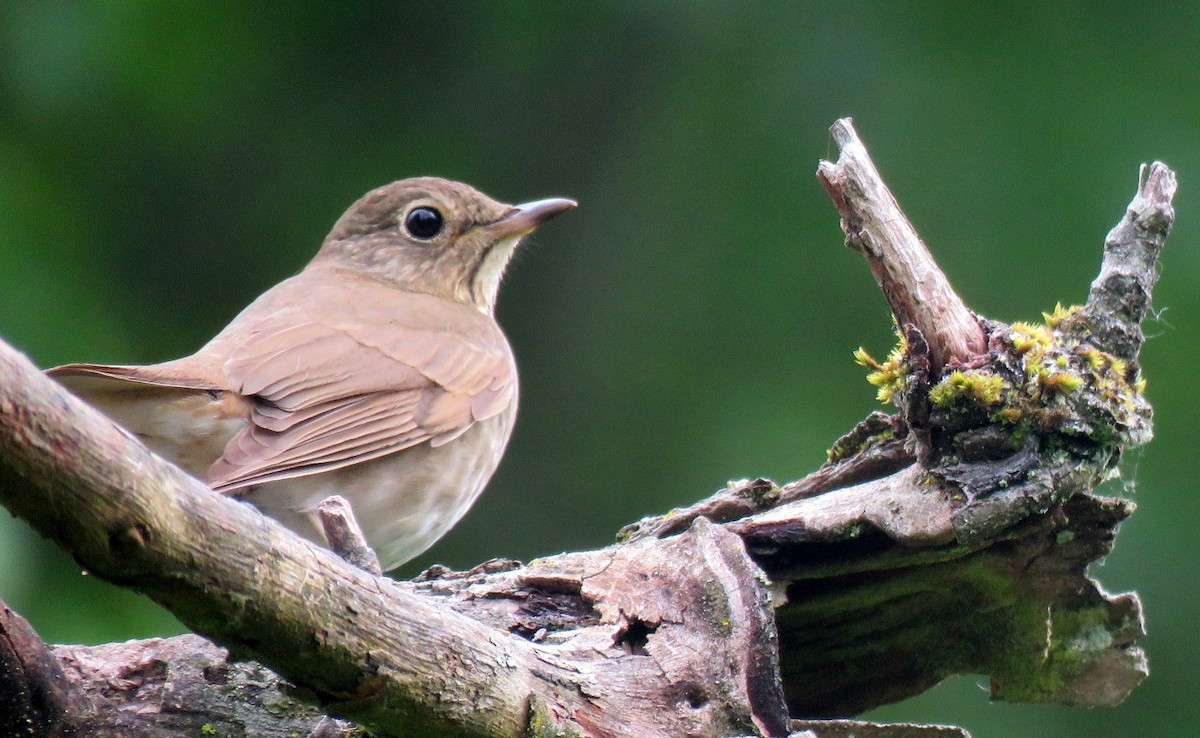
[
  {"x": 174, "y": 409},
  {"x": 377, "y": 371},
  {"x": 333, "y": 392}
]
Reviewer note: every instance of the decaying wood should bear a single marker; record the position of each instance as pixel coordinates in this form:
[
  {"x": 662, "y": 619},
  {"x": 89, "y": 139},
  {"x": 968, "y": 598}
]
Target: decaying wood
[
  {"x": 936, "y": 541},
  {"x": 35, "y": 698},
  {"x": 176, "y": 686}
]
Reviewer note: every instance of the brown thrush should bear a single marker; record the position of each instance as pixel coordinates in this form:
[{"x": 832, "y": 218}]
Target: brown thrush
[{"x": 377, "y": 373}]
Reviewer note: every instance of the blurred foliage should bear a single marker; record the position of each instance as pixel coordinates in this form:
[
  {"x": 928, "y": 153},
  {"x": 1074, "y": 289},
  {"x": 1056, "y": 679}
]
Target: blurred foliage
[{"x": 693, "y": 320}]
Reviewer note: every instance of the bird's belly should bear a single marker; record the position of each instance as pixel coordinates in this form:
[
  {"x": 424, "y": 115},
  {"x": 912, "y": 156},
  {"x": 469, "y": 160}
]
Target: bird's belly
[{"x": 405, "y": 501}]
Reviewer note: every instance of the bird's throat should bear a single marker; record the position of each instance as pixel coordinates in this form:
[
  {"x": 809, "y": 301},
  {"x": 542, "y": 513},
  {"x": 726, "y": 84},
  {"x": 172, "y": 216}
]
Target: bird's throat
[{"x": 485, "y": 283}]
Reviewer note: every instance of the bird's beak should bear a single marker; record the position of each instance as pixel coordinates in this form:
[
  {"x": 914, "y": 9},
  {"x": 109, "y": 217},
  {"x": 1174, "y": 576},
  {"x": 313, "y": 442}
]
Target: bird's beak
[{"x": 524, "y": 218}]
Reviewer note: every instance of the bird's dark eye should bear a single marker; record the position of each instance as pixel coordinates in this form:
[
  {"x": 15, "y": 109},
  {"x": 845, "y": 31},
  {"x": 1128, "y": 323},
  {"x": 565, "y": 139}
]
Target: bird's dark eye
[{"x": 423, "y": 223}]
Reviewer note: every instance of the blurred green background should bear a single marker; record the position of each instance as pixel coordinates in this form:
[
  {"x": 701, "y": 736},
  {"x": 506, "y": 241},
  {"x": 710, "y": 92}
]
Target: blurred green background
[{"x": 692, "y": 322}]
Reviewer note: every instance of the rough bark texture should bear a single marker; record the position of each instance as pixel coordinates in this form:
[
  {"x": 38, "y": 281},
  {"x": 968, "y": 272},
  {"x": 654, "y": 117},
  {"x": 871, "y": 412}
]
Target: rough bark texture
[
  {"x": 178, "y": 686},
  {"x": 1120, "y": 295},
  {"x": 952, "y": 537},
  {"x": 35, "y": 698}
]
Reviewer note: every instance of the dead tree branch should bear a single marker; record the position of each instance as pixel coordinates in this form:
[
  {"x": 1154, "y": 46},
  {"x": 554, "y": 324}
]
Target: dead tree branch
[
  {"x": 875, "y": 226},
  {"x": 951, "y": 537}
]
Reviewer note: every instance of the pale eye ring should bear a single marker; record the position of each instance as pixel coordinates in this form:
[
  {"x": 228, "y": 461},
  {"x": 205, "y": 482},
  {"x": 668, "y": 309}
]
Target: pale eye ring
[{"x": 423, "y": 223}]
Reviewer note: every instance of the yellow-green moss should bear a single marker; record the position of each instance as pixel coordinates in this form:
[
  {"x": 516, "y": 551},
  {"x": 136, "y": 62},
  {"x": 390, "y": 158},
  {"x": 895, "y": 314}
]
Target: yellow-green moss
[
  {"x": 1062, "y": 382},
  {"x": 1047, "y": 381},
  {"x": 1059, "y": 314},
  {"x": 890, "y": 374},
  {"x": 976, "y": 387},
  {"x": 1030, "y": 337}
]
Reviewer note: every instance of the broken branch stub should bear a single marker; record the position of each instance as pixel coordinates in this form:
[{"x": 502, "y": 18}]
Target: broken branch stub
[
  {"x": 915, "y": 287},
  {"x": 1120, "y": 296},
  {"x": 1014, "y": 438}
]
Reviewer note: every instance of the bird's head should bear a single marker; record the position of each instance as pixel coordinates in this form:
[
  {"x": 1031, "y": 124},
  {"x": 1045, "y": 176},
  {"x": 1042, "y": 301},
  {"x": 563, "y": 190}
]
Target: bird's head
[{"x": 434, "y": 236}]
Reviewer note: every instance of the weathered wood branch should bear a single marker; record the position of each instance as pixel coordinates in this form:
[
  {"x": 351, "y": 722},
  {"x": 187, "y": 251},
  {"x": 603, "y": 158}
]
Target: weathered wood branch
[
  {"x": 952, "y": 537},
  {"x": 875, "y": 226},
  {"x": 1120, "y": 296}
]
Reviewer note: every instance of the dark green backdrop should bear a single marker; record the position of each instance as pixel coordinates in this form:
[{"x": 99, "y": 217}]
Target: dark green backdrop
[{"x": 692, "y": 322}]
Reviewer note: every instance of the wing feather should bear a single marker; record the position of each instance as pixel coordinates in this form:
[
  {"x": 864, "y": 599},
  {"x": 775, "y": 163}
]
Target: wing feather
[
  {"x": 326, "y": 381},
  {"x": 333, "y": 392},
  {"x": 365, "y": 428}
]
